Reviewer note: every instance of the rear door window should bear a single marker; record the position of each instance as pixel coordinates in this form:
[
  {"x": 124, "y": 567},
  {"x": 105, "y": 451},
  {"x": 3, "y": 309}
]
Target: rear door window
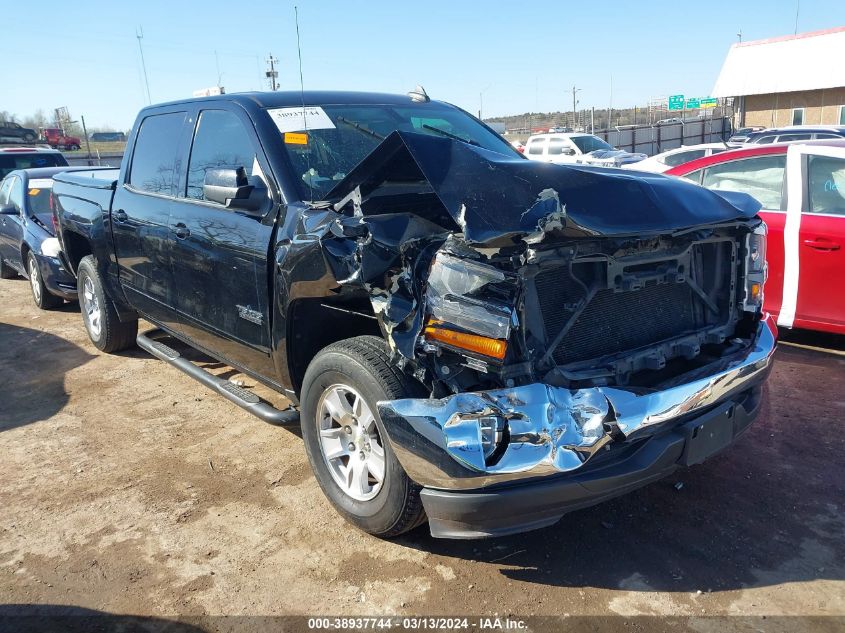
[
  {"x": 826, "y": 185},
  {"x": 760, "y": 177},
  {"x": 535, "y": 147},
  {"x": 156, "y": 150}
]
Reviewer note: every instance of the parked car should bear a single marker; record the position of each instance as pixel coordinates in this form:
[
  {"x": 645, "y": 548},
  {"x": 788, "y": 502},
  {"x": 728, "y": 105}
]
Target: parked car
[
  {"x": 795, "y": 133},
  {"x": 11, "y": 132},
  {"x": 802, "y": 189},
  {"x": 471, "y": 338},
  {"x": 55, "y": 137},
  {"x": 577, "y": 147},
  {"x": 741, "y": 135},
  {"x": 28, "y": 244},
  {"x": 659, "y": 163},
  {"x": 108, "y": 136},
  {"x": 12, "y": 158}
]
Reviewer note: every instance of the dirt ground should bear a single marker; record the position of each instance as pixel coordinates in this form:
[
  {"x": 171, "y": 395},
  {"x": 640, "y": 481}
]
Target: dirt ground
[{"x": 128, "y": 488}]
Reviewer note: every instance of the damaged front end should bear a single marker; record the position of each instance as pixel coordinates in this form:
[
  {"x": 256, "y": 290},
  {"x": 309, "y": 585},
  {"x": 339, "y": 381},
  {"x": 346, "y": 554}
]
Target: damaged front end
[{"x": 553, "y": 312}]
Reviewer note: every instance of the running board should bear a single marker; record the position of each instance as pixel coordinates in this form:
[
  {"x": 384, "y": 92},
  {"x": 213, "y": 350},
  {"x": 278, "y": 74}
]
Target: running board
[{"x": 241, "y": 397}]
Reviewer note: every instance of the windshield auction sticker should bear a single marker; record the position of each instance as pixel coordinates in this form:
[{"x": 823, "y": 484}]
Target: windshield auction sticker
[{"x": 300, "y": 119}]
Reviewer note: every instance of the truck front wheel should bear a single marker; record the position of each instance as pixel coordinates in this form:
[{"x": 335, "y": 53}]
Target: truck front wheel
[
  {"x": 346, "y": 441},
  {"x": 106, "y": 331}
]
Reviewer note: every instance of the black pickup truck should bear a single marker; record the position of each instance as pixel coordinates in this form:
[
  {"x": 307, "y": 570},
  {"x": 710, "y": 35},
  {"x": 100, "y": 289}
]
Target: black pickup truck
[{"x": 466, "y": 336}]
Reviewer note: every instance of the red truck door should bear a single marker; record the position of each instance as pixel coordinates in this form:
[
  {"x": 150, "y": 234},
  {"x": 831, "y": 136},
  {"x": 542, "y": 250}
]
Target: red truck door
[{"x": 821, "y": 244}]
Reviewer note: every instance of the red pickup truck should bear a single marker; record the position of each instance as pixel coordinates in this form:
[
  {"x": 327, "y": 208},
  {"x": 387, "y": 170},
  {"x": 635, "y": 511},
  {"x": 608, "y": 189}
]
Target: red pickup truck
[{"x": 56, "y": 138}]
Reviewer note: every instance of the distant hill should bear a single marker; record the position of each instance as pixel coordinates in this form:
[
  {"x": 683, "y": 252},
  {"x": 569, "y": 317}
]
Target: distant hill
[{"x": 528, "y": 122}]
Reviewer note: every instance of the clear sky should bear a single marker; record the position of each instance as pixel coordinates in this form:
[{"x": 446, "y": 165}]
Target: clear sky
[{"x": 521, "y": 56}]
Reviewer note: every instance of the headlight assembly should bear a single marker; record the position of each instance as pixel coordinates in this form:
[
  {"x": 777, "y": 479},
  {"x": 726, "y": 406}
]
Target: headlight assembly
[{"x": 756, "y": 269}]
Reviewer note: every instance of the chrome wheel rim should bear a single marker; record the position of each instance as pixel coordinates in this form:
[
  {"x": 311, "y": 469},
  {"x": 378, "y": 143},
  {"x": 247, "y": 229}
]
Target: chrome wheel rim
[
  {"x": 92, "y": 308},
  {"x": 34, "y": 280},
  {"x": 350, "y": 442}
]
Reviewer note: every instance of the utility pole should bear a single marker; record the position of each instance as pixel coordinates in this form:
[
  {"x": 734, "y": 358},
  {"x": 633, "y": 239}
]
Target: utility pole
[
  {"x": 140, "y": 35},
  {"x": 87, "y": 142},
  {"x": 574, "y": 114},
  {"x": 272, "y": 74}
]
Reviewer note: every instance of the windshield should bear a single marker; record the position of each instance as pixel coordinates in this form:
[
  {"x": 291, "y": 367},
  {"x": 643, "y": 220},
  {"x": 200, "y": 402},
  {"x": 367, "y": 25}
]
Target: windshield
[
  {"x": 348, "y": 133},
  {"x": 589, "y": 144}
]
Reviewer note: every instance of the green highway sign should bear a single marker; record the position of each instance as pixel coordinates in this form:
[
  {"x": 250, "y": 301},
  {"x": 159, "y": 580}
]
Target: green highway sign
[
  {"x": 709, "y": 102},
  {"x": 693, "y": 104},
  {"x": 676, "y": 102}
]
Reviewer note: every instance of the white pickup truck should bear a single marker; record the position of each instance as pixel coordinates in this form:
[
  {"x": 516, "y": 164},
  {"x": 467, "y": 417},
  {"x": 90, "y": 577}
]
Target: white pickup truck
[{"x": 577, "y": 147}]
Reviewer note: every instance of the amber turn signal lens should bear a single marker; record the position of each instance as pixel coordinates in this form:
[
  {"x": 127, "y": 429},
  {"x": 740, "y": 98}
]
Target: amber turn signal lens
[
  {"x": 493, "y": 347},
  {"x": 755, "y": 291}
]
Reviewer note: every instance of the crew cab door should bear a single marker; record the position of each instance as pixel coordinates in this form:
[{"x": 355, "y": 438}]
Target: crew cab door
[
  {"x": 821, "y": 244},
  {"x": 140, "y": 216},
  {"x": 221, "y": 267}
]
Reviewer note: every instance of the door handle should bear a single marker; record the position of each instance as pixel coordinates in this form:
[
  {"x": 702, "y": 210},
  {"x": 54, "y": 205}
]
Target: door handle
[
  {"x": 120, "y": 215},
  {"x": 181, "y": 229},
  {"x": 822, "y": 245}
]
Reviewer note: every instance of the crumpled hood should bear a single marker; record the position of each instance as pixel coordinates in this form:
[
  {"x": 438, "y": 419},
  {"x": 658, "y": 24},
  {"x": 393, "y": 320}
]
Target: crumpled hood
[{"x": 497, "y": 199}]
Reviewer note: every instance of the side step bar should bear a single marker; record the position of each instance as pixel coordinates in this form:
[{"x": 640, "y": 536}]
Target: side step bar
[{"x": 241, "y": 397}]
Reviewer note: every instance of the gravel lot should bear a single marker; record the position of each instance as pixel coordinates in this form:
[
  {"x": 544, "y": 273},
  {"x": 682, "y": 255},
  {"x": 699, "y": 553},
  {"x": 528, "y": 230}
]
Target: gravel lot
[{"x": 127, "y": 488}]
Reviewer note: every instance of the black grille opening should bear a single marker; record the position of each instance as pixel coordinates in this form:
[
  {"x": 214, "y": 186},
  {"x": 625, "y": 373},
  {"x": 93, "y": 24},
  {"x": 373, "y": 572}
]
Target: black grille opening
[{"x": 616, "y": 321}]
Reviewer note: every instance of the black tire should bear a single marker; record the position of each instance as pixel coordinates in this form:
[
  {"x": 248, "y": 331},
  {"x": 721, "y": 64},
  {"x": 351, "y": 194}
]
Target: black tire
[
  {"x": 73, "y": 147},
  {"x": 40, "y": 295},
  {"x": 6, "y": 271},
  {"x": 112, "y": 334},
  {"x": 362, "y": 363},
  {"x": 28, "y": 138}
]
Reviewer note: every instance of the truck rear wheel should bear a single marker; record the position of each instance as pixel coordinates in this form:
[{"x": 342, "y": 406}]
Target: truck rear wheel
[
  {"x": 346, "y": 441},
  {"x": 106, "y": 331}
]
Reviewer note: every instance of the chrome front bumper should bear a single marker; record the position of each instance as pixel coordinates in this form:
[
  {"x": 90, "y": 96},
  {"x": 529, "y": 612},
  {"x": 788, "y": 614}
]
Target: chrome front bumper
[{"x": 552, "y": 429}]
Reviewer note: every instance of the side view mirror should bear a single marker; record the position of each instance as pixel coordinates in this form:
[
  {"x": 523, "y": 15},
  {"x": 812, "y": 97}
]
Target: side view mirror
[
  {"x": 9, "y": 209},
  {"x": 568, "y": 151},
  {"x": 234, "y": 190}
]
